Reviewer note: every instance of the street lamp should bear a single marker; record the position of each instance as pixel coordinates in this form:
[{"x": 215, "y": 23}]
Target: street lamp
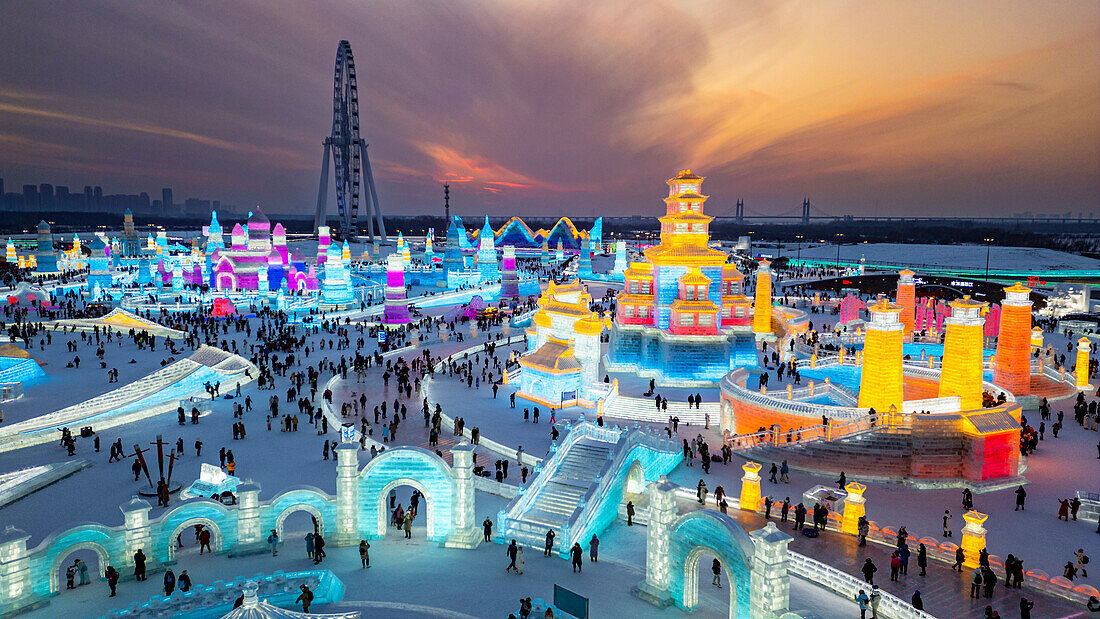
[
  {"x": 839, "y": 238},
  {"x": 988, "y": 246},
  {"x": 798, "y": 240}
]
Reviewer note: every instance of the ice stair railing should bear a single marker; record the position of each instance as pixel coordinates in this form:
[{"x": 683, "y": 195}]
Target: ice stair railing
[
  {"x": 600, "y": 505},
  {"x": 545, "y": 471}
]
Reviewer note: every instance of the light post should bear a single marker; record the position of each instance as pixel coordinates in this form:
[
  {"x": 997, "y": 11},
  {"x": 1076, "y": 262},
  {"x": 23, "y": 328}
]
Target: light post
[
  {"x": 798, "y": 240},
  {"x": 839, "y": 238},
  {"x": 988, "y": 246}
]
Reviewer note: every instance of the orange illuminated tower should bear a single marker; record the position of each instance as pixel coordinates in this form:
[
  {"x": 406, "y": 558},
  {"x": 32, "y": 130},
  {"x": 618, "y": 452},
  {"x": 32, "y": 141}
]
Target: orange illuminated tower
[
  {"x": 907, "y": 299},
  {"x": 880, "y": 384},
  {"x": 762, "y": 310},
  {"x": 961, "y": 374},
  {"x": 1012, "y": 368}
]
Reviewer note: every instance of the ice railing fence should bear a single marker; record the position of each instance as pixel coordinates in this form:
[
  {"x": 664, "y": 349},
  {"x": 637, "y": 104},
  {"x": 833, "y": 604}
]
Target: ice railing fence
[{"x": 848, "y": 586}]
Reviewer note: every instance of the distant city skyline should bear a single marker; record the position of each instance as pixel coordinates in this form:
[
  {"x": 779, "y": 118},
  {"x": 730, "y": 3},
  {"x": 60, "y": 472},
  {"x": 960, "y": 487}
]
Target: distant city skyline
[
  {"x": 982, "y": 108},
  {"x": 50, "y": 198}
]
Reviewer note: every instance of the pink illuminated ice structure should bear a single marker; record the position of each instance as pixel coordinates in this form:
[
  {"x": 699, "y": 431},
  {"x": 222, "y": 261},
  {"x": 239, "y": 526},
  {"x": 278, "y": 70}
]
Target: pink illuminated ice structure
[
  {"x": 849, "y": 308},
  {"x": 509, "y": 287},
  {"x": 396, "y": 310}
]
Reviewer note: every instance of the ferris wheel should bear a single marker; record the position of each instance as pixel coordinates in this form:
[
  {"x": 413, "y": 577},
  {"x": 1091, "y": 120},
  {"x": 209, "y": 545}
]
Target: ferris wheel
[{"x": 349, "y": 156}]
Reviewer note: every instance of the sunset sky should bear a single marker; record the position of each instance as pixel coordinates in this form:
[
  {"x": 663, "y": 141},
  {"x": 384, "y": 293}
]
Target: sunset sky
[{"x": 567, "y": 108}]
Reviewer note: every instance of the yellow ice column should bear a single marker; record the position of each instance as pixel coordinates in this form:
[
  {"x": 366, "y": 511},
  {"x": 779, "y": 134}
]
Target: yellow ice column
[
  {"x": 880, "y": 384},
  {"x": 973, "y": 538},
  {"x": 855, "y": 507},
  {"x": 1036, "y": 339},
  {"x": 762, "y": 308},
  {"x": 750, "y": 486},
  {"x": 961, "y": 372},
  {"x": 1084, "y": 346}
]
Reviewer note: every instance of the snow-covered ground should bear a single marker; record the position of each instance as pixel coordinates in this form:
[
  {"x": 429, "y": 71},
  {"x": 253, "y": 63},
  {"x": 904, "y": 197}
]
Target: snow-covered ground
[{"x": 418, "y": 579}]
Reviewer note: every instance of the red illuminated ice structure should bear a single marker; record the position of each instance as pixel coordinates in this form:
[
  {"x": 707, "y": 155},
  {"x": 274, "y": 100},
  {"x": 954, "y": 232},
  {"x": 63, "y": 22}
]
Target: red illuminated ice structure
[{"x": 223, "y": 307}]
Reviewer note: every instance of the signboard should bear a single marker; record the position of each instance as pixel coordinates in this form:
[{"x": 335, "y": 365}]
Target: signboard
[
  {"x": 381, "y": 336},
  {"x": 568, "y": 395},
  {"x": 570, "y": 602}
]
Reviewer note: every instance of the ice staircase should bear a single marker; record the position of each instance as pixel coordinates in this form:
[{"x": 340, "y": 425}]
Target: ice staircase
[
  {"x": 577, "y": 491},
  {"x": 578, "y": 471},
  {"x": 645, "y": 411}
]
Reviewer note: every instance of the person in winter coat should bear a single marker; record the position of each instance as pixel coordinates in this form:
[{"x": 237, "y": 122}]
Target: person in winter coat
[
  {"x": 863, "y": 528},
  {"x": 139, "y": 565},
  {"x": 959, "y": 557},
  {"x": 169, "y": 582},
  {"x": 594, "y": 549},
  {"x": 512, "y": 552},
  {"x": 549, "y": 542},
  {"x": 309, "y": 544},
  {"x": 204, "y": 541},
  {"x": 364, "y": 552},
  {"x": 869, "y": 570},
  {"x": 922, "y": 559},
  {"x": 318, "y": 549},
  {"x": 111, "y": 574},
  {"x": 487, "y": 527},
  {"x": 989, "y": 581},
  {"x": 895, "y": 565},
  {"x": 306, "y": 598},
  {"x": 864, "y": 603},
  {"x": 1025, "y": 608},
  {"x": 184, "y": 581},
  {"x": 408, "y": 524},
  {"x": 716, "y": 569},
  {"x": 519, "y": 560},
  {"x": 273, "y": 541},
  {"x": 976, "y": 583},
  {"x": 575, "y": 552},
  {"x": 918, "y": 603},
  {"x": 1021, "y": 494}
]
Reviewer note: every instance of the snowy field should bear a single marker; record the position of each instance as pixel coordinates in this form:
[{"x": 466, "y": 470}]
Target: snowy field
[{"x": 415, "y": 579}]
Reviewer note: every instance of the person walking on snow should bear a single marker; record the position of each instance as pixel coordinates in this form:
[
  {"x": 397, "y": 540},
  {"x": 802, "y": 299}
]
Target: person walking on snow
[
  {"x": 364, "y": 552},
  {"x": 575, "y": 552}
]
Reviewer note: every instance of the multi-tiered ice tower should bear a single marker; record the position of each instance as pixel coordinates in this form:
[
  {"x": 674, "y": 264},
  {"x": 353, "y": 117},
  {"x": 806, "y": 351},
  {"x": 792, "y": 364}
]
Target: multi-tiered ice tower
[{"x": 682, "y": 317}]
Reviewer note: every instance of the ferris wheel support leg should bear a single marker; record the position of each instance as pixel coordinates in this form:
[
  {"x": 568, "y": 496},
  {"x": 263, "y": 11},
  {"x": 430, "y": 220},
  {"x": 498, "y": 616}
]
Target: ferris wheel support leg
[
  {"x": 322, "y": 190},
  {"x": 373, "y": 193}
]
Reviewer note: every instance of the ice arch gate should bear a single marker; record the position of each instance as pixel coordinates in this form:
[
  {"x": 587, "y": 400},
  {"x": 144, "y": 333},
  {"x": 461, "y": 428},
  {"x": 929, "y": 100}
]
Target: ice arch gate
[
  {"x": 448, "y": 493},
  {"x": 755, "y": 564}
]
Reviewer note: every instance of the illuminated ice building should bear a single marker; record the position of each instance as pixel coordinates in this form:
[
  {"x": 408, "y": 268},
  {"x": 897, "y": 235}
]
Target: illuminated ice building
[
  {"x": 237, "y": 266},
  {"x": 682, "y": 318},
  {"x": 562, "y": 365}
]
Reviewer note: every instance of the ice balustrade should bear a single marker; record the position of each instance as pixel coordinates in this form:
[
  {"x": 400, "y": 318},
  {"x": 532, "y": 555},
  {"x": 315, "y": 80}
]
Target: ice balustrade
[
  {"x": 848, "y": 586},
  {"x": 10, "y": 392},
  {"x": 600, "y": 506},
  {"x": 216, "y": 599}
]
